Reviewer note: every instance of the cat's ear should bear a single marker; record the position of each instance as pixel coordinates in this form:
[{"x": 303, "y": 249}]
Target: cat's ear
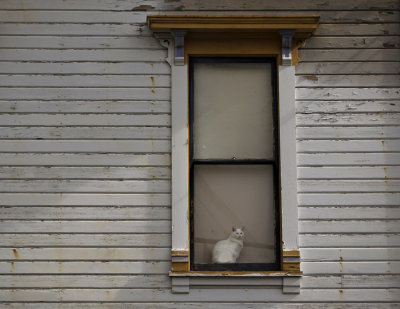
[
  {"x": 233, "y": 229},
  {"x": 243, "y": 228}
]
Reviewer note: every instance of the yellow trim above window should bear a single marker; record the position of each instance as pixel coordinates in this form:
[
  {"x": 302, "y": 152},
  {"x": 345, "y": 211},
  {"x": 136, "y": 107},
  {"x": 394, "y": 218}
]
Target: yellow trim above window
[{"x": 231, "y": 35}]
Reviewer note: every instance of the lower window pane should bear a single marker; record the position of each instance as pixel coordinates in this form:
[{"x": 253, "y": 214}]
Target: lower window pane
[{"x": 239, "y": 196}]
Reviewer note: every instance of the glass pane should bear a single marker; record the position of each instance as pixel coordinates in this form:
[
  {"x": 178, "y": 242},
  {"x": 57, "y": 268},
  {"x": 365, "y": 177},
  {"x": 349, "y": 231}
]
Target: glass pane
[
  {"x": 233, "y": 111},
  {"x": 234, "y": 195}
]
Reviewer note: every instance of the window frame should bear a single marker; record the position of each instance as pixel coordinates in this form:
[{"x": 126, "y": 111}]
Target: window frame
[
  {"x": 275, "y": 163},
  {"x": 279, "y": 36}
]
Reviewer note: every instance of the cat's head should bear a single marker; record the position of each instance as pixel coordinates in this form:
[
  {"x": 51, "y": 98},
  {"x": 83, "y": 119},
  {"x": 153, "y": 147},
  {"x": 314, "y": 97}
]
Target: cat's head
[{"x": 238, "y": 233}]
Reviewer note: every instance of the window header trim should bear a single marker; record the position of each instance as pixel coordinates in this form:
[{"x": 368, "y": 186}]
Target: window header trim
[{"x": 303, "y": 25}]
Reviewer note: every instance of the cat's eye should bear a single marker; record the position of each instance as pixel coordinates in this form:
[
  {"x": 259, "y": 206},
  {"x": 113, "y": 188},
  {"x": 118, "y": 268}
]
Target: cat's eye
[{"x": 234, "y": 161}]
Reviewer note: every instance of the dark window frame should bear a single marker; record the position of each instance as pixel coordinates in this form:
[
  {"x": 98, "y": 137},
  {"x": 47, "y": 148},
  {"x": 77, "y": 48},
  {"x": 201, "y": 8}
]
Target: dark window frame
[{"x": 276, "y": 266}]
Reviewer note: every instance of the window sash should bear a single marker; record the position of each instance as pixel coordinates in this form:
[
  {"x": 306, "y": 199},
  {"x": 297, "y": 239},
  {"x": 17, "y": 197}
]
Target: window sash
[{"x": 274, "y": 162}]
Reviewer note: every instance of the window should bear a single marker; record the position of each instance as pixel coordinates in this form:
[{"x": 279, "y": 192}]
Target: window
[
  {"x": 234, "y": 160},
  {"x": 212, "y": 46}
]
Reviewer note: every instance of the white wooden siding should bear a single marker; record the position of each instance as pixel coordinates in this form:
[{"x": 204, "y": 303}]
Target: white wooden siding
[{"x": 85, "y": 203}]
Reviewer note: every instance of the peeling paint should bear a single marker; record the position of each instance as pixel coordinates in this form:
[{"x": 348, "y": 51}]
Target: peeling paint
[
  {"x": 143, "y": 7},
  {"x": 312, "y": 77},
  {"x": 388, "y": 45}
]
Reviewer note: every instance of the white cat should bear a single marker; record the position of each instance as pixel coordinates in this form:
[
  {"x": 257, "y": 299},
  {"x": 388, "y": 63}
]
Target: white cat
[{"x": 228, "y": 250}]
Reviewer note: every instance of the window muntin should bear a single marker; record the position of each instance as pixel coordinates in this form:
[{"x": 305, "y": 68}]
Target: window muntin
[{"x": 233, "y": 136}]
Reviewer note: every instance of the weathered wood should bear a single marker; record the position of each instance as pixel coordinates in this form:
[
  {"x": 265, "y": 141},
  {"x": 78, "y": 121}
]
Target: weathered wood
[
  {"x": 349, "y": 241},
  {"x": 211, "y": 305},
  {"x": 347, "y": 80},
  {"x": 338, "y": 213},
  {"x": 342, "y": 67},
  {"x": 109, "y": 22},
  {"x": 89, "y": 213},
  {"x": 348, "y": 159},
  {"x": 80, "y": 42},
  {"x": 307, "y": 107},
  {"x": 320, "y": 282},
  {"x": 357, "y": 29},
  {"x": 348, "y": 146},
  {"x": 81, "y": 199},
  {"x": 352, "y": 41},
  {"x": 73, "y": 55},
  {"x": 115, "y": 226},
  {"x": 348, "y": 93},
  {"x": 348, "y": 132},
  {"x": 348, "y": 199},
  {"x": 152, "y": 267},
  {"x": 85, "y": 120},
  {"x": 86, "y": 186},
  {"x": 93, "y": 67},
  {"x": 353, "y": 54},
  {"x": 349, "y": 254},
  {"x": 122, "y": 146},
  {"x": 103, "y": 5},
  {"x": 86, "y": 254},
  {"x": 349, "y": 226},
  {"x": 78, "y": 16},
  {"x": 111, "y": 73},
  {"x": 197, "y": 295},
  {"x": 40, "y": 40},
  {"x": 85, "y": 159},
  {"x": 84, "y": 93},
  {"x": 79, "y": 132},
  {"x": 81, "y": 240},
  {"x": 125, "y": 173},
  {"x": 79, "y": 107},
  {"x": 349, "y": 119},
  {"x": 320, "y": 185},
  {"x": 54, "y": 24},
  {"x": 107, "y": 81},
  {"x": 350, "y": 267},
  {"x": 375, "y": 282},
  {"x": 85, "y": 281},
  {"x": 383, "y": 172}
]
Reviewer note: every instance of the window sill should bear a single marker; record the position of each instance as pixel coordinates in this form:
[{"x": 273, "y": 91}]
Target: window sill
[
  {"x": 234, "y": 274},
  {"x": 288, "y": 281}
]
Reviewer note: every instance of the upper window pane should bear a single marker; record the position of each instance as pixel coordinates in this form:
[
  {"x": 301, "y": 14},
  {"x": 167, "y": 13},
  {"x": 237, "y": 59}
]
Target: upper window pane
[{"x": 233, "y": 111}]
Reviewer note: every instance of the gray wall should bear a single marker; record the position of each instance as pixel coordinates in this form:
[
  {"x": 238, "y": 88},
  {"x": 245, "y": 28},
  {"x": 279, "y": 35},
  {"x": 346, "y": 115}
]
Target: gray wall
[{"x": 85, "y": 156}]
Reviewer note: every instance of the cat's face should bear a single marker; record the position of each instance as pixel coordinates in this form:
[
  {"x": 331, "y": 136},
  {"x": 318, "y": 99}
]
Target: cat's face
[{"x": 238, "y": 233}]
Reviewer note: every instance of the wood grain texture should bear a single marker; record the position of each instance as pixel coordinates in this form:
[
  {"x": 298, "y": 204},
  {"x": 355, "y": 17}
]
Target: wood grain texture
[
  {"x": 63, "y": 173},
  {"x": 193, "y": 5},
  {"x": 85, "y": 254},
  {"x": 344, "y": 212},
  {"x": 76, "y": 80},
  {"x": 210, "y": 305},
  {"x": 348, "y": 159},
  {"x": 63, "y": 22},
  {"x": 148, "y": 267},
  {"x": 84, "y": 159},
  {"x": 196, "y": 295},
  {"x": 349, "y": 254},
  {"x": 86, "y": 213},
  {"x": 157, "y": 66},
  {"x": 348, "y": 67},
  {"x": 65, "y": 227},
  {"x": 82, "y": 240},
  {"x": 82, "y": 199}
]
